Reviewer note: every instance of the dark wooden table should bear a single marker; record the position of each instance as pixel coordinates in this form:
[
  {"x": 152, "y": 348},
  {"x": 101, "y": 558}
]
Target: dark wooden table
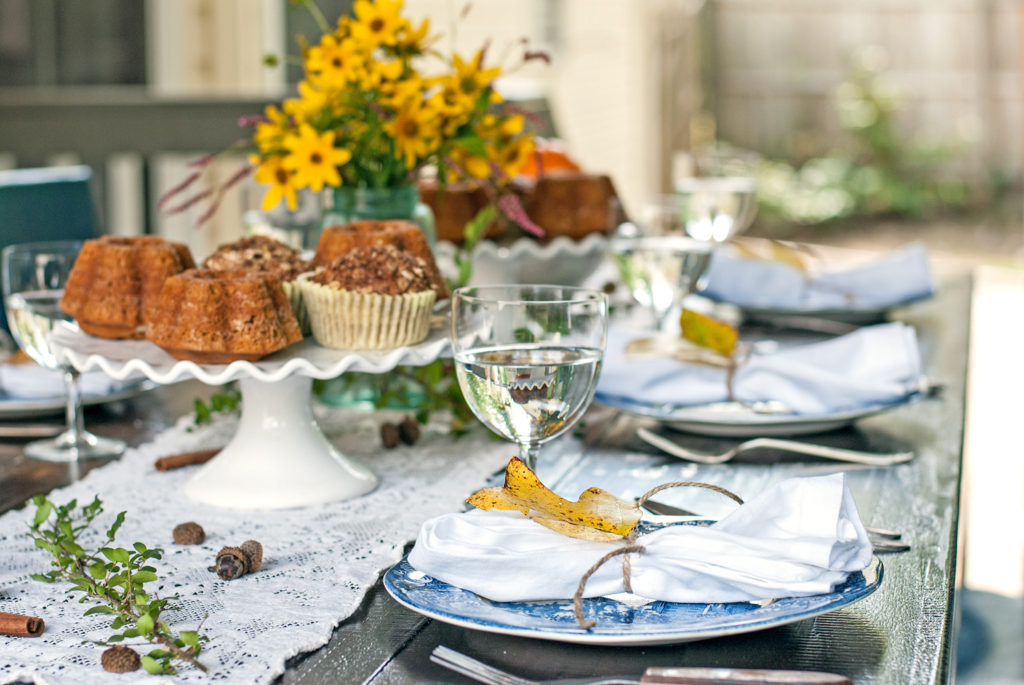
[{"x": 903, "y": 633}]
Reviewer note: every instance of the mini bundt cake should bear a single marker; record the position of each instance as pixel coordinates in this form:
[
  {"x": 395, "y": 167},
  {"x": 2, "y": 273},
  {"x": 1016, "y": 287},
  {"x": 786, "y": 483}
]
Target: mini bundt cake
[
  {"x": 216, "y": 317},
  {"x": 573, "y": 205},
  {"x": 456, "y": 205},
  {"x": 115, "y": 282},
  {"x": 406, "y": 236},
  {"x": 370, "y": 298},
  {"x": 263, "y": 254}
]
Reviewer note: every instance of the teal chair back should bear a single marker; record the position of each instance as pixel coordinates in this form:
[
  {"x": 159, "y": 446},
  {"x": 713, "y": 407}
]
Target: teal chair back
[{"x": 52, "y": 203}]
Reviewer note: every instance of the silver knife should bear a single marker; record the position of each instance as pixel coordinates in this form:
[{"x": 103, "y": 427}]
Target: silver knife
[{"x": 740, "y": 676}]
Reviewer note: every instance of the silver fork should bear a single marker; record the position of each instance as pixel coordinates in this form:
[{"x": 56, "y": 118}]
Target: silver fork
[
  {"x": 882, "y": 539},
  {"x": 483, "y": 673},
  {"x": 837, "y": 453}
]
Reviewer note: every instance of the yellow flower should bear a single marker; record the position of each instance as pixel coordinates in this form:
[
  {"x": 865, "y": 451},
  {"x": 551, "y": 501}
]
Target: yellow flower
[
  {"x": 511, "y": 154},
  {"x": 380, "y": 75},
  {"x": 471, "y": 77},
  {"x": 412, "y": 41},
  {"x": 270, "y": 133},
  {"x": 313, "y": 158},
  {"x": 376, "y": 23},
  {"x": 412, "y": 130},
  {"x": 334, "y": 62},
  {"x": 472, "y": 165},
  {"x": 281, "y": 181},
  {"x": 311, "y": 102}
]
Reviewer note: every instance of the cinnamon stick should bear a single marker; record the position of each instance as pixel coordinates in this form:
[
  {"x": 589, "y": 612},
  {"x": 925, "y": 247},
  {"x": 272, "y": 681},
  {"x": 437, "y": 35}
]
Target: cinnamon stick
[
  {"x": 17, "y": 625},
  {"x": 174, "y": 461}
]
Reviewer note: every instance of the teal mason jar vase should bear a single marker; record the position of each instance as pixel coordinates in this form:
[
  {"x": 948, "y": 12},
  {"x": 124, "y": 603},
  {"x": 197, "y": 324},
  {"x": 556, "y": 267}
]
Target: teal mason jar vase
[{"x": 399, "y": 202}]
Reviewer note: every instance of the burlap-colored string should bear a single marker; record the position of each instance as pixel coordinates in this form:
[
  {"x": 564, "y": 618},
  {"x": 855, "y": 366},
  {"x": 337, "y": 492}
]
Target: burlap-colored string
[{"x": 631, "y": 547}]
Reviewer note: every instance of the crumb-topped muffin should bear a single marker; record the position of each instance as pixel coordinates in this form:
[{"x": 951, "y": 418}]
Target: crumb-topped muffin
[
  {"x": 370, "y": 298},
  {"x": 404, "y": 235},
  {"x": 263, "y": 254}
]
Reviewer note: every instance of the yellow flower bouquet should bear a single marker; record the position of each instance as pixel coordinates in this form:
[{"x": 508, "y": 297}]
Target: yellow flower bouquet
[{"x": 376, "y": 105}]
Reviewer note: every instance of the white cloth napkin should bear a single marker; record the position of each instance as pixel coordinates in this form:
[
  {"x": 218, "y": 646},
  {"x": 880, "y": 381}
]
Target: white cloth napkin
[
  {"x": 871, "y": 366},
  {"x": 897, "y": 277},
  {"x": 801, "y": 537},
  {"x": 33, "y": 382}
]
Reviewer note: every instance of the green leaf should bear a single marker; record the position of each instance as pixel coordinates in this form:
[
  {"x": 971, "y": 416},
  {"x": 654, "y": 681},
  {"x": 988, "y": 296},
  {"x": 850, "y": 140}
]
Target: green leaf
[
  {"x": 190, "y": 638},
  {"x": 43, "y": 512},
  {"x": 151, "y": 665},
  {"x": 144, "y": 576},
  {"x": 139, "y": 547},
  {"x": 116, "y": 554},
  {"x": 98, "y": 570},
  {"x": 524, "y": 335},
  {"x": 112, "y": 531},
  {"x": 98, "y": 609},
  {"x": 145, "y": 624},
  {"x": 132, "y": 632},
  {"x": 117, "y": 622},
  {"x": 42, "y": 578}
]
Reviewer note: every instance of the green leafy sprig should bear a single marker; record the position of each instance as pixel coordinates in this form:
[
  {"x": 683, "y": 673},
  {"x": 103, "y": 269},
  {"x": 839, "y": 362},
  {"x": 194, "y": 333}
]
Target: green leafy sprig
[
  {"x": 114, "y": 578},
  {"x": 227, "y": 400}
]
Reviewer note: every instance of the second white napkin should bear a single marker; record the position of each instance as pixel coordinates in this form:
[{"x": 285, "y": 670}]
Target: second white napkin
[{"x": 876, "y": 365}]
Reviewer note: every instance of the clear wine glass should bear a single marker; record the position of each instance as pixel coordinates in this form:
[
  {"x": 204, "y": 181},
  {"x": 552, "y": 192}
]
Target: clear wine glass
[
  {"x": 659, "y": 261},
  {"x": 34, "y": 275},
  {"x": 528, "y": 357}
]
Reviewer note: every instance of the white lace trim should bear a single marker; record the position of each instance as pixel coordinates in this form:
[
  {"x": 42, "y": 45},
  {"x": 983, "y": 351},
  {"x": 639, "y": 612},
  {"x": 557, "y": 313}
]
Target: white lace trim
[{"x": 318, "y": 563}]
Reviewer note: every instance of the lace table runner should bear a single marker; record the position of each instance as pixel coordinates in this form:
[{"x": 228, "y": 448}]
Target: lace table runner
[{"x": 318, "y": 563}]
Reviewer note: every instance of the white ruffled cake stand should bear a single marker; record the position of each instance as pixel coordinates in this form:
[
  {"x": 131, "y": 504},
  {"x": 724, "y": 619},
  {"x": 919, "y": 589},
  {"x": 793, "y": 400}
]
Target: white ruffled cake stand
[{"x": 278, "y": 457}]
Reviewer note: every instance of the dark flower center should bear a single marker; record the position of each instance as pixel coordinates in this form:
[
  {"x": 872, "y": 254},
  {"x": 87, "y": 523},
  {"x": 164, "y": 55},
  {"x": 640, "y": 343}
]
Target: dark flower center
[
  {"x": 281, "y": 176},
  {"x": 315, "y": 158},
  {"x": 410, "y": 128},
  {"x": 377, "y": 25}
]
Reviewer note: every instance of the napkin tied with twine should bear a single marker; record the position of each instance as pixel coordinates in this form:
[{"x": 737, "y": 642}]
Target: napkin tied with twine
[
  {"x": 876, "y": 365},
  {"x": 897, "y": 277},
  {"x": 800, "y": 537}
]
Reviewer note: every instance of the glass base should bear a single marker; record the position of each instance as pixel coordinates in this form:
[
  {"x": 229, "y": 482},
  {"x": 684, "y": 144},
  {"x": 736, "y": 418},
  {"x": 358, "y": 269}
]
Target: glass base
[{"x": 68, "y": 447}]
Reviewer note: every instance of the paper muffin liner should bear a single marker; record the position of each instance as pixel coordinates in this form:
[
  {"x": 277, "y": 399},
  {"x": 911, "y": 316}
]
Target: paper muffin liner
[
  {"x": 294, "y": 294},
  {"x": 346, "y": 320}
]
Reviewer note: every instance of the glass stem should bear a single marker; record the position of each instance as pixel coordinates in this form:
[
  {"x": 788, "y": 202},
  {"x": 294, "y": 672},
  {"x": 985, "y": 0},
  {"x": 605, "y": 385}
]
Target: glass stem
[
  {"x": 75, "y": 419},
  {"x": 528, "y": 453}
]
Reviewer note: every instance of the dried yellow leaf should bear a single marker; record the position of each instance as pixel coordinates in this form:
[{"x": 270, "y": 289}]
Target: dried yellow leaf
[
  {"x": 781, "y": 252},
  {"x": 575, "y": 530},
  {"x": 595, "y": 508},
  {"x": 706, "y": 332}
]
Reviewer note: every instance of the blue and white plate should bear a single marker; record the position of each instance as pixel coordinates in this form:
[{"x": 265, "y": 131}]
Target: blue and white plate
[
  {"x": 737, "y": 420},
  {"x": 618, "y": 623}
]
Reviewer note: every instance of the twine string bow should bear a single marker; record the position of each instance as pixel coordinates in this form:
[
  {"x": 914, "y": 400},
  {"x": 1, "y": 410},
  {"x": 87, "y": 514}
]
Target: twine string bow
[{"x": 631, "y": 546}]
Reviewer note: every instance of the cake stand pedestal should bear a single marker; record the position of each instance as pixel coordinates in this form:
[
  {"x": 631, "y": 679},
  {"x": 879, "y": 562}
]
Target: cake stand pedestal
[{"x": 278, "y": 457}]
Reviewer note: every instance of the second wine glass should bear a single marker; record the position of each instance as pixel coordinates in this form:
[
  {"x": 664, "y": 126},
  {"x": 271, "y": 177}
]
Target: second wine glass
[
  {"x": 34, "y": 275},
  {"x": 528, "y": 357}
]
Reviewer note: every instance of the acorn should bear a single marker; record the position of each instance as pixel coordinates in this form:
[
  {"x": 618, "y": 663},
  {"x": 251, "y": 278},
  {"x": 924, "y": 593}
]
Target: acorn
[
  {"x": 409, "y": 431},
  {"x": 389, "y": 435},
  {"x": 189, "y": 533},
  {"x": 254, "y": 553},
  {"x": 235, "y": 562},
  {"x": 120, "y": 659}
]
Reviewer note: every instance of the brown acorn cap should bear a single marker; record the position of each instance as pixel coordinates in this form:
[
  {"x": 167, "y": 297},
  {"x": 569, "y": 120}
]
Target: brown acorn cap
[
  {"x": 188, "y": 533},
  {"x": 240, "y": 557},
  {"x": 253, "y": 551},
  {"x": 120, "y": 659}
]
